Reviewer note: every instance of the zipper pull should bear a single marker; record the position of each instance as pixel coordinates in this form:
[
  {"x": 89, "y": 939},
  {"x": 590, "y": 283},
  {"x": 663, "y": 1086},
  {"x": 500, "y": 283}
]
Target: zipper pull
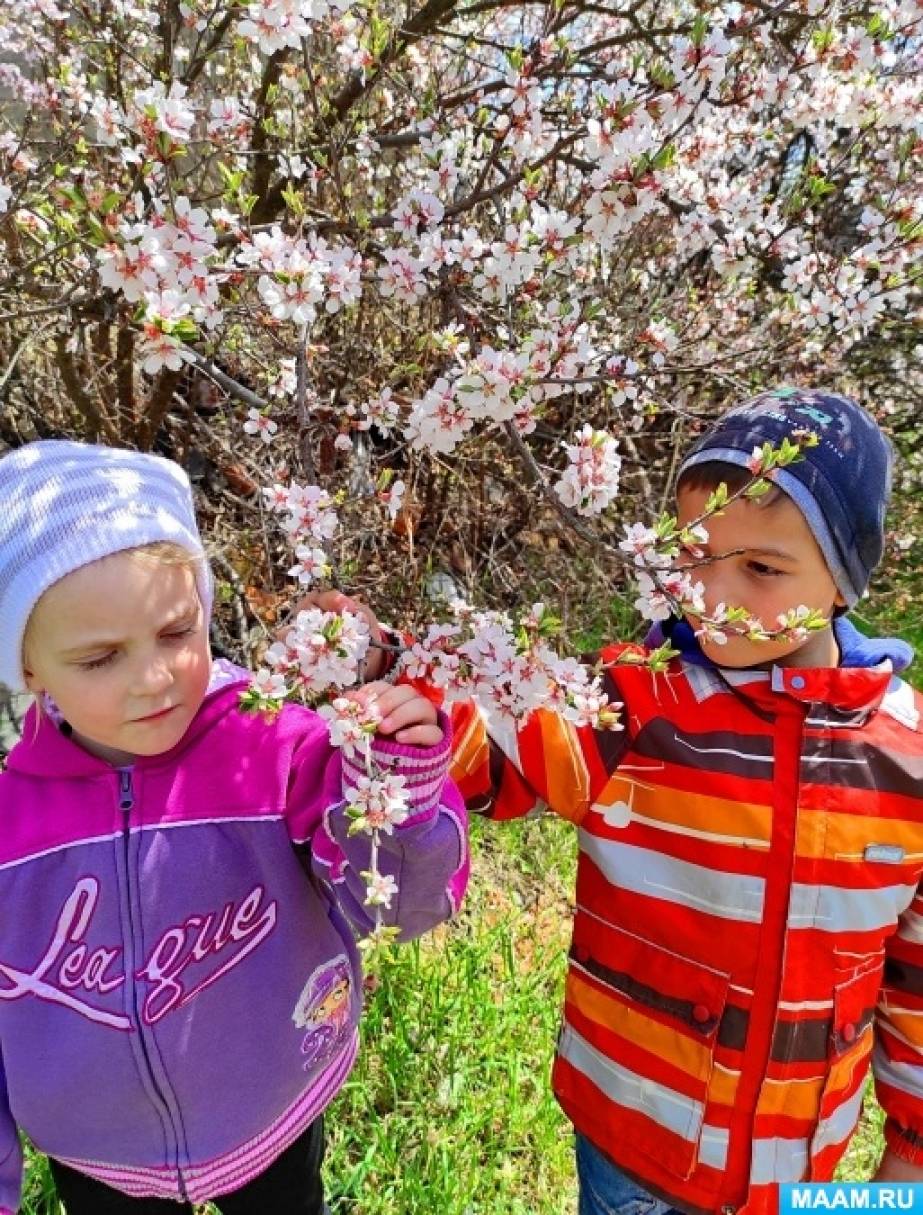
[{"x": 126, "y": 796}]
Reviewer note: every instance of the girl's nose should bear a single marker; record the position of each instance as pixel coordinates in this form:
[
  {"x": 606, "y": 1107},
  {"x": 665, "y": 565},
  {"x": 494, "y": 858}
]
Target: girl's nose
[{"x": 153, "y": 676}]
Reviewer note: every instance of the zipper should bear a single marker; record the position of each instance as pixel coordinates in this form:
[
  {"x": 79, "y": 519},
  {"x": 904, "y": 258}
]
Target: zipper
[
  {"x": 789, "y": 728},
  {"x": 126, "y": 805}
]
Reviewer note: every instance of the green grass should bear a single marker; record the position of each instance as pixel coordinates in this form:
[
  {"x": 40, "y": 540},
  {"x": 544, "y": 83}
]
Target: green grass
[
  {"x": 449, "y": 1109},
  {"x": 864, "y": 1152}
]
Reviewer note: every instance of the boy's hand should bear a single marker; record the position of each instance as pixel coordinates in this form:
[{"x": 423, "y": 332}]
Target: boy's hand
[
  {"x": 406, "y": 716},
  {"x": 892, "y": 1168},
  {"x": 336, "y": 601}
]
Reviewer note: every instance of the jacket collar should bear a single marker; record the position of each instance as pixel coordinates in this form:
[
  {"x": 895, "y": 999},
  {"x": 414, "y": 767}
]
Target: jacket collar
[
  {"x": 44, "y": 750},
  {"x": 858, "y": 684}
]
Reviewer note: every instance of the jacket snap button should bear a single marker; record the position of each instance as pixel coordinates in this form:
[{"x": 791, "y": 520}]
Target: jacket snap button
[
  {"x": 848, "y": 1032},
  {"x": 798, "y": 681},
  {"x": 701, "y": 1014}
]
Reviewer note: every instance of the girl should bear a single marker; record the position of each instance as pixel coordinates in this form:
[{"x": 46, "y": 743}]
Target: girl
[{"x": 179, "y": 989}]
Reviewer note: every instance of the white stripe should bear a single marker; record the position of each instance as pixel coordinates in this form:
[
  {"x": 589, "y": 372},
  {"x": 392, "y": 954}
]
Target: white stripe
[
  {"x": 200, "y": 822},
  {"x": 429, "y": 759},
  {"x": 908, "y": 1077},
  {"x": 885, "y": 1014},
  {"x": 778, "y": 1160},
  {"x": 713, "y": 1146},
  {"x": 837, "y": 909},
  {"x": 114, "y": 835},
  {"x": 840, "y": 1125},
  {"x": 663, "y": 1105},
  {"x": 75, "y": 843},
  {"x": 762, "y": 759},
  {"x": 740, "y": 678},
  {"x": 503, "y": 735},
  {"x": 734, "y": 896},
  {"x": 806, "y": 1005},
  {"x": 826, "y": 758}
]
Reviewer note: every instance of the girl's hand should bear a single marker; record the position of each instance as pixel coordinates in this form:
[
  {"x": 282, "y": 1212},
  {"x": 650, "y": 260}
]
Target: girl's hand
[
  {"x": 406, "y": 716},
  {"x": 336, "y": 601}
]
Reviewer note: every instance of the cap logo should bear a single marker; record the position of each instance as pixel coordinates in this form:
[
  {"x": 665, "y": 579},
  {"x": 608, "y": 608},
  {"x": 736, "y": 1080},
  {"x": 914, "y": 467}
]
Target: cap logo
[{"x": 822, "y": 419}]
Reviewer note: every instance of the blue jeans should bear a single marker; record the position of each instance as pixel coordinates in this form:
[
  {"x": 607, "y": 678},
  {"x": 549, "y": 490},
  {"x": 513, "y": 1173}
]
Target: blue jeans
[{"x": 605, "y": 1190}]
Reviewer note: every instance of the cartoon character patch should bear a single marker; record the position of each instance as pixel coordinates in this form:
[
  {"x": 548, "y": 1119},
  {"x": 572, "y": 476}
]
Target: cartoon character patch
[{"x": 323, "y": 1010}]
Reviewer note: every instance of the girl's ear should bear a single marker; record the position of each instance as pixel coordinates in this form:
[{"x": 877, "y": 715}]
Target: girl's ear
[{"x": 32, "y": 681}]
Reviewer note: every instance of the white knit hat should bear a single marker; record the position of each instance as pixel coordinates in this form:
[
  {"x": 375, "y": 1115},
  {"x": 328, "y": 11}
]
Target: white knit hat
[{"x": 63, "y": 505}]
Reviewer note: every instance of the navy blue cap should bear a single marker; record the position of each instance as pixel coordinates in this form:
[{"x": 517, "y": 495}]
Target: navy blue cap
[{"x": 841, "y": 486}]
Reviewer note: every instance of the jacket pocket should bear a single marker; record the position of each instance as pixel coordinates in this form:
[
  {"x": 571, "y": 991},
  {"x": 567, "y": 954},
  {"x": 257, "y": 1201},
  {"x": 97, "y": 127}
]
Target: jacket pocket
[
  {"x": 857, "y": 981},
  {"x": 641, "y": 1023}
]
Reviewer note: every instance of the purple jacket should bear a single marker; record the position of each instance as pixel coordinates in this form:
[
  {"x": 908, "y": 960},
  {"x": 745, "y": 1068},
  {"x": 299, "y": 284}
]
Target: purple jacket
[{"x": 179, "y": 988}]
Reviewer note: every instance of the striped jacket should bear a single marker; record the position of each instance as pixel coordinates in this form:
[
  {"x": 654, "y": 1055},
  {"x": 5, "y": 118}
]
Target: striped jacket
[{"x": 753, "y": 937}]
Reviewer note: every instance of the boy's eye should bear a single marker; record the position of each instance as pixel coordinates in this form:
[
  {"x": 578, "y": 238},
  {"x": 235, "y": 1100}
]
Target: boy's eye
[{"x": 762, "y": 570}]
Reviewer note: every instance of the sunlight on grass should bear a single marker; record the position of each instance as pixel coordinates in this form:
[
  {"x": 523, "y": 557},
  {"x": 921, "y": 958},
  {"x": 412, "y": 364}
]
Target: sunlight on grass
[{"x": 450, "y": 1109}]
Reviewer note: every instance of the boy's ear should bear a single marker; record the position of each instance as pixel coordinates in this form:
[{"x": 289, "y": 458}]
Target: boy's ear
[{"x": 839, "y": 601}]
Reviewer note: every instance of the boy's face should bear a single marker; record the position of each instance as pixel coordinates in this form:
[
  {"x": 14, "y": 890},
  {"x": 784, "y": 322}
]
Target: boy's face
[
  {"x": 121, "y": 646},
  {"x": 779, "y": 566}
]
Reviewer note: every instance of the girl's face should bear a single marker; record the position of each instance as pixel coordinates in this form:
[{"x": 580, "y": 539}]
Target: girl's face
[
  {"x": 121, "y": 646},
  {"x": 331, "y": 1004}
]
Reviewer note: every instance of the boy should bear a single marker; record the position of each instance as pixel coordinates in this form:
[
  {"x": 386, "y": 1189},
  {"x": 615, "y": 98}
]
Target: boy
[{"x": 732, "y": 942}]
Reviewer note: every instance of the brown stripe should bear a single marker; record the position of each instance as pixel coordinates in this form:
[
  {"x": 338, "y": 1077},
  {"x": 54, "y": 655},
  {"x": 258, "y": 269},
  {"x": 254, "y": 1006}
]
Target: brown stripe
[
  {"x": 810, "y": 1041},
  {"x": 882, "y": 770},
  {"x": 908, "y": 1135},
  {"x": 641, "y": 993},
  {"x": 496, "y": 765},
  {"x": 805, "y": 1041},
  {"x": 712, "y": 751},
  {"x": 612, "y": 744},
  {"x": 904, "y": 977},
  {"x": 732, "y": 1032},
  {"x": 843, "y": 1044}
]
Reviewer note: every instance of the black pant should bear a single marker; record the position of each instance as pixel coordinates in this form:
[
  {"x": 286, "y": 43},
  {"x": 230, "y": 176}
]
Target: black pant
[{"x": 290, "y": 1186}]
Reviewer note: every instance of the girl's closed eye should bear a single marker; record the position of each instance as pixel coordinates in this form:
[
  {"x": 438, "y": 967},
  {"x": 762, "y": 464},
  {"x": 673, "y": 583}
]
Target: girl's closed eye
[
  {"x": 179, "y": 634},
  {"x": 92, "y": 664}
]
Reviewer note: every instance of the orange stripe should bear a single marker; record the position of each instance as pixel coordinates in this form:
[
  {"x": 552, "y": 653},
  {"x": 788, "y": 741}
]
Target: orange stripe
[
  {"x": 568, "y": 781},
  {"x": 470, "y": 751},
  {"x": 722, "y": 1087},
  {"x": 690, "y": 1056},
  {"x": 791, "y": 1100},
  {"x": 698, "y": 811},
  {"x": 846, "y": 836}
]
